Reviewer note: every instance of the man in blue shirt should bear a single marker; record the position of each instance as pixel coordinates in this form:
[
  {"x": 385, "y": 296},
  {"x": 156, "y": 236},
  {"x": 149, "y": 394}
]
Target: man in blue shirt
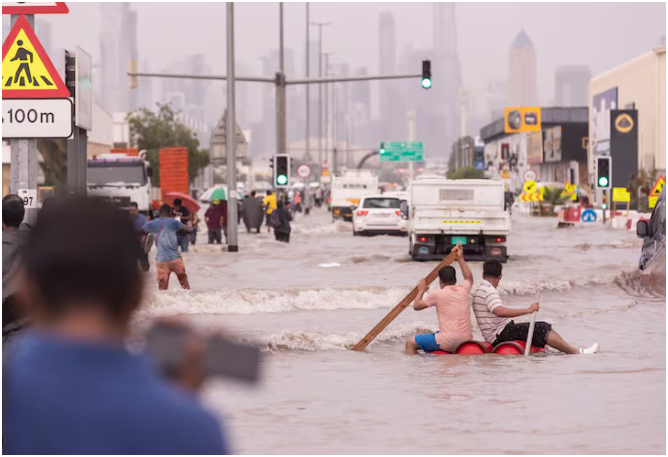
[
  {"x": 138, "y": 221},
  {"x": 69, "y": 384},
  {"x": 168, "y": 259}
]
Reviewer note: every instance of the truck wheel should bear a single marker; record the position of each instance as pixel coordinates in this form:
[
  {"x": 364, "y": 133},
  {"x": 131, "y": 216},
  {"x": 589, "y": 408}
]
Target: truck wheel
[{"x": 355, "y": 232}]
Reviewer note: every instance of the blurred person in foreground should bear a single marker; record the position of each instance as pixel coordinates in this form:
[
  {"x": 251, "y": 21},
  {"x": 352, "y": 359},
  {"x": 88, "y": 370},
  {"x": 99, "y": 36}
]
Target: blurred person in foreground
[
  {"x": 138, "y": 222},
  {"x": 452, "y": 309},
  {"x": 14, "y": 240},
  {"x": 495, "y": 320},
  {"x": 168, "y": 260},
  {"x": 70, "y": 386},
  {"x": 216, "y": 221}
]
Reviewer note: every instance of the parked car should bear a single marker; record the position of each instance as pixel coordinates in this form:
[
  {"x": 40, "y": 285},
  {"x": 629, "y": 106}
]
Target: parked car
[{"x": 653, "y": 232}]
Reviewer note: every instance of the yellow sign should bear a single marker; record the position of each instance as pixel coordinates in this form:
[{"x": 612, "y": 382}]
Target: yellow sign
[
  {"x": 658, "y": 186},
  {"x": 530, "y": 187},
  {"x": 27, "y": 71},
  {"x": 537, "y": 197},
  {"x": 325, "y": 172},
  {"x": 652, "y": 201},
  {"x": 506, "y": 175},
  {"x": 624, "y": 123},
  {"x": 522, "y": 119},
  {"x": 620, "y": 195},
  {"x": 570, "y": 191}
]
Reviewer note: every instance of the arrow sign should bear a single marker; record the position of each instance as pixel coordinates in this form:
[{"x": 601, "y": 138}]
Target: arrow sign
[
  {"x": 589, "y": 215},
  {"x": 34, "y": 8}
]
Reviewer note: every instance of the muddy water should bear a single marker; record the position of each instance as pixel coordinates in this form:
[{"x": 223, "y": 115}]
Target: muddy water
[{"x": 308, "y": 302}]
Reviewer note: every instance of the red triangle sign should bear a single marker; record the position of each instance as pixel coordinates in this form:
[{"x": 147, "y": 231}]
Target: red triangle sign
[
  {"x": 27, "y": 71},
  {"x": 34, "y": 8}
]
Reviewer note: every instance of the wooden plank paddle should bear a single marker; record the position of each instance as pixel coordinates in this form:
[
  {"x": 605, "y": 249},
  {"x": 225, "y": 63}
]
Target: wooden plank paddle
[{"x": 408, "y": 299}]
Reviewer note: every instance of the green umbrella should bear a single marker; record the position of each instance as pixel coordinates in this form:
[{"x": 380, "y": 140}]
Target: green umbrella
[{"x": 218, "y": 194}]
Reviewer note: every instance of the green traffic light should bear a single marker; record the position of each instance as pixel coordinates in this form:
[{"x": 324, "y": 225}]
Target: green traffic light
[
  {"x": 382, "y": 151},
  {"x": 282, "y": 180},
  {"x": 426, "y": 83},
  {"x": 603, "y": 181},
  {"x": 604, "y": 206}
]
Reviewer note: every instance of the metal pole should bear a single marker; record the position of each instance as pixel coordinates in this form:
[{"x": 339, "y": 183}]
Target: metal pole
[
  {"x": 327, "y": 108},
  {"x": 230, "y": 144},
  {"x": 307, "y": 187},
  {"x": 411, "y": 138},
  {"x": 320, "y": 106},
  {"x": 24, "y": 164}
]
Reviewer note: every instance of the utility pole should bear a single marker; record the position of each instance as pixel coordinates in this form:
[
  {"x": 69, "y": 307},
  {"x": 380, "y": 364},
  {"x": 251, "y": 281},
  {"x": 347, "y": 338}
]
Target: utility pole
[
  {"x": 327, "y": 87},
  {"x": 24, "y": 153},
  {"x": 308, "y": 89},
  {"x": 320, "y": 25},
  {"x": 231, "y": 136}
]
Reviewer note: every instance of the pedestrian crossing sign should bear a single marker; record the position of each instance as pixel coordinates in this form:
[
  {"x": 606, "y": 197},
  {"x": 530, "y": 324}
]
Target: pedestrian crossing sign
[{"x": 27, "y": 71}]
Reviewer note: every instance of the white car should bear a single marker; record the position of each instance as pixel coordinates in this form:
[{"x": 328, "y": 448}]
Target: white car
[{"x": 380, "y": 215}]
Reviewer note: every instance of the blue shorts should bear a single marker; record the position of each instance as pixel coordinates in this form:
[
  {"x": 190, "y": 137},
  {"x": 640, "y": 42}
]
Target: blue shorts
[{"x": 427, "y": 342}]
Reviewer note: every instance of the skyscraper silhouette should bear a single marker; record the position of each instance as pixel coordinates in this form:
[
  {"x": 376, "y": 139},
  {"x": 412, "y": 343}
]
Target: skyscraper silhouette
[{"x": 522, "y": 72}]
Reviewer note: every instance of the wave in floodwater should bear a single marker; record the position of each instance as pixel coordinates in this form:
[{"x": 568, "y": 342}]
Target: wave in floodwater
[
  {"x": 337, "y": 226},
  {"x": 323, "y": 341},
  {"x": 271, "y": 301},
  {"x": 650, "y": 283}
]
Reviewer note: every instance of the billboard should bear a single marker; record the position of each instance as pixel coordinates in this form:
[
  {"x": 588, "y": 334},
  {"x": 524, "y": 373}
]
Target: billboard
[
  {"x": 522, "y": 119},
  {"x": 552, "y": 150},
  {"x": 535, "y": 147},
  {"x": 602, "y": 103}
]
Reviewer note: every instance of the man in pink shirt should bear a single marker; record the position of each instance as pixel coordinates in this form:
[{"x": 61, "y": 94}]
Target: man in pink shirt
[{"x": 452, "y": 309}]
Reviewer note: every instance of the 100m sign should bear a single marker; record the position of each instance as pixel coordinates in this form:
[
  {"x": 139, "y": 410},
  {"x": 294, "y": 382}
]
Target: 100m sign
[{"x": 37, "y": 118}]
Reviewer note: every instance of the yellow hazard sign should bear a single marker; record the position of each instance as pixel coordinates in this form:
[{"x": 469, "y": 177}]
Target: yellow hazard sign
[
  {"x": 620, "y": 195},
  {"x": 530, "y": 187},
  {"x": 569, "y": 191},
  {"x": 27, "y": 71},
  {"x": 658, "y": 186}
]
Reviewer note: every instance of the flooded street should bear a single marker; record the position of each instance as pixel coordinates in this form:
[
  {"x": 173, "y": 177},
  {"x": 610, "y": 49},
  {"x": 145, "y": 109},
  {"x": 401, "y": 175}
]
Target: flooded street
[{"x": 308, "y": 302}]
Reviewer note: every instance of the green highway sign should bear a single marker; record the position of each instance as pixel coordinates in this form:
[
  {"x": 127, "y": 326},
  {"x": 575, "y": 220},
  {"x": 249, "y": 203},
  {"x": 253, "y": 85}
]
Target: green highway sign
[{"x": 398, "y": 151}]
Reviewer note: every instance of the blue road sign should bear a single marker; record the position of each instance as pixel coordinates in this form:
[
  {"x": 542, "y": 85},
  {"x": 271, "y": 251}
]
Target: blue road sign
[{"x": 589, "y": 215}]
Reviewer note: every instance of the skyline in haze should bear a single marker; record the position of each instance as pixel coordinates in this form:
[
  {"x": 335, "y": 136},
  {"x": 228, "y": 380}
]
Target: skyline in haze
[{"x": 563, "y": 34}]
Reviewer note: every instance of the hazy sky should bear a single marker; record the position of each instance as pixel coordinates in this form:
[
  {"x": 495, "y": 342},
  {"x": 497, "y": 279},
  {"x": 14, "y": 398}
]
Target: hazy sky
[{"x": 600, "y": 35}]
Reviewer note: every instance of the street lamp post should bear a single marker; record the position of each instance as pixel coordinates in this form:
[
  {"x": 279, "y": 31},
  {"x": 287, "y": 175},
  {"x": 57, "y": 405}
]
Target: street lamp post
[
  {"x": 230, "y": 144},
  {"x": 320, "y": 25}
]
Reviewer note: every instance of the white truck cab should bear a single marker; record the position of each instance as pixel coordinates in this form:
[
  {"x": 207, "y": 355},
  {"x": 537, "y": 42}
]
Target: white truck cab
[
  {"x": 470, "y": 212},
  {"x": 120, "y": 179},
  {"x": 349, "y": 189}
]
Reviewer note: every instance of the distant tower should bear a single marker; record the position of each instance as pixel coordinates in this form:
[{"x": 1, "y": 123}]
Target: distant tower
[
  {"x": 391, "y": 119},
  {"x": 447, "y": 79},
  {"x": 522, "y": 76},
  {"x": 118, "y": 44},
  {"x": 572, "y": 85}
]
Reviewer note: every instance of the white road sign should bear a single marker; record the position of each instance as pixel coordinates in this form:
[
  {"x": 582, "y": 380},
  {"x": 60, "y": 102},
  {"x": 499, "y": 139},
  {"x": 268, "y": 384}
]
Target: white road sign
[
  {"x": 37, "y": 118},
  {"x": 303, "y": 171},
  {"x": 529, "y": 175},
  {"x": 29, "y": 197}
]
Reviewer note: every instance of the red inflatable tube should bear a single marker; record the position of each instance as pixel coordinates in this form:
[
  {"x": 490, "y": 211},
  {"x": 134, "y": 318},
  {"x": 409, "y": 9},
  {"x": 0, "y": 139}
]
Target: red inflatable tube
[{"x": 483, "y": 347}]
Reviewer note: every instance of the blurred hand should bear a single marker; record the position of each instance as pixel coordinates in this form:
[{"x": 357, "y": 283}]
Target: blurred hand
[
  {"x": 533, "y": 308},
  {"x": 422, "y": 285}
]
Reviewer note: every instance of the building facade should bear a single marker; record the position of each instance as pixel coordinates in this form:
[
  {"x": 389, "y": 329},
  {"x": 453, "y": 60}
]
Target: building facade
[{"x": 572, "y": 85}]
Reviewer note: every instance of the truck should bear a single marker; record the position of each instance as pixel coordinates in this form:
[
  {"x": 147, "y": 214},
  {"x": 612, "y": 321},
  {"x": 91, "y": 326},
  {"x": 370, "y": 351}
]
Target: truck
[
  {"x": 444, "y": 213},
  {"x": 120, "y": 179},
  {"x": 348, "y": 189}
]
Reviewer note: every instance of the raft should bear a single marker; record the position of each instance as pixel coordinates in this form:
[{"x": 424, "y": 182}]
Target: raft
[{"x": 483, "y": 347}]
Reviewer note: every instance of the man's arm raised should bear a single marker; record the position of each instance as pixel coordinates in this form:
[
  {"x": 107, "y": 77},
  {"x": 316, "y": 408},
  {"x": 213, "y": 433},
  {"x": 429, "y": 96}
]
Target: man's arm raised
[{"x": 419, "y": 303}]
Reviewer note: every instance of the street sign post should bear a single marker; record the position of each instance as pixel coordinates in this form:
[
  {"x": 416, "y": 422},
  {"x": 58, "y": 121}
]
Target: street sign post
[
  {"x": 37, "y": 118},
  {"x": 397, "y": 151},
  {"x": 34, "y": 8}
]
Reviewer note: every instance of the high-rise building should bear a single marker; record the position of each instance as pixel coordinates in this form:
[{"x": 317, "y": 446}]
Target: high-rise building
[
  {"x": 360, "y": 102},
  {"x": 572, "y": 85},
  {"x": 391, "y": 119},
  {"x": 118, "y": 44},
  {"x": 447, "y": 82},
  {"x": 522, "y": 75}
]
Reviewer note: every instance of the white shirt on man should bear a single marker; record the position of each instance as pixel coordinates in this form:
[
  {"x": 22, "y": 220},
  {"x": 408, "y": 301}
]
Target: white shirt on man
[{"x": 485, "y": 299}]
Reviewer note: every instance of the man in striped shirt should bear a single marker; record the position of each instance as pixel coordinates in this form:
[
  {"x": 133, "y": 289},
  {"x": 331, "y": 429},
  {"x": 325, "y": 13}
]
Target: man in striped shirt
[{"x": 495, "y": 321}]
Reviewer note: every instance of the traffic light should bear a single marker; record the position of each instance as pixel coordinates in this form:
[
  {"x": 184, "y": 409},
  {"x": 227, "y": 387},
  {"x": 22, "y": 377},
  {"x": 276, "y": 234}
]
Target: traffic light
[
  {"x": 70, "y": 70},
  {"x": 426, "y": 74},
  {"x": 382, "y": 148},
  {"x": 603, "y": 167},
  {"x": 281, "y": 171}
]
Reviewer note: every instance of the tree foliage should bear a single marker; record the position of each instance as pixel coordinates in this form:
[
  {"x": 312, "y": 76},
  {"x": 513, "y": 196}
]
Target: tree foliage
[
  {"x": 466, "y": 173},
  {"x": 152, "y": 131},
  {"x": 640, "y": 185}
]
